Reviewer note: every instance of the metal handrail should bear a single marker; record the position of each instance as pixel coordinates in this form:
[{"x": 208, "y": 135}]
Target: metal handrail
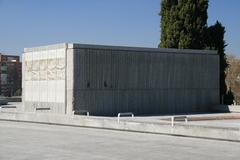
[
  {"x": 125, "y": 114},
  {"x": 173, "y": 118}
]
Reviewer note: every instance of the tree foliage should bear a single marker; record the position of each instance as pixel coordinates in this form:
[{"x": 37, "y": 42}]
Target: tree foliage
[
  {"x": 233, "y": 78},
  {"x": 214, "y": 37},
  {"x": 183, "y": 23}
]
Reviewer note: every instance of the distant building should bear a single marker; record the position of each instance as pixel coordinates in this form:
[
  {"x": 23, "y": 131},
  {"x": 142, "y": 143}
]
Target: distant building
[{"x": 10, "y": 75}]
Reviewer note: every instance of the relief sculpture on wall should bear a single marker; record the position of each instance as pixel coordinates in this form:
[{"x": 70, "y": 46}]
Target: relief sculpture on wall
[{"x": 45, "y": 69}]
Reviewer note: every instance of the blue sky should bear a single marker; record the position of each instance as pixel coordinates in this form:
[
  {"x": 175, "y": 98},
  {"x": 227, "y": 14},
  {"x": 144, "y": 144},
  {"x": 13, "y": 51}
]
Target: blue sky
[{"x": 28, "y": 23}]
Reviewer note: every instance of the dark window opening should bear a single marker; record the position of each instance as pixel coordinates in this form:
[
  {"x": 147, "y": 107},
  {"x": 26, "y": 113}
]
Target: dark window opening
[{"x": 105, "y": 84}]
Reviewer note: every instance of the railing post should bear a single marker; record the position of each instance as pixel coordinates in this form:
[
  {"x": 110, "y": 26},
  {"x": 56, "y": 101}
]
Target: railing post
[
  {"x": 118, "y": 117},
  {"x": 172, "y": 121}
]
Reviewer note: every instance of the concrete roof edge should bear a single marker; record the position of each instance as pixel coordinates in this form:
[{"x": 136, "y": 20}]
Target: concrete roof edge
[
  {"x": 46, "y": 47},
  {"x": 110, "y": 47},
  {"x": 165, "y": 50}
]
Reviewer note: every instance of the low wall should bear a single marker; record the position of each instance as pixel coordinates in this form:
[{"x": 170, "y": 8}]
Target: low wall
[{"x": 160, "y": 127}]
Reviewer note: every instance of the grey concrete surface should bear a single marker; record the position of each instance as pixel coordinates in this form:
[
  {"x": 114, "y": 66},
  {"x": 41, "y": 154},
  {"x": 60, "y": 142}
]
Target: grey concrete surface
[
  {"x": 26, "y": 141},
  {"x": 218, "y": 123},
  {"x": 146, "y": 125}
]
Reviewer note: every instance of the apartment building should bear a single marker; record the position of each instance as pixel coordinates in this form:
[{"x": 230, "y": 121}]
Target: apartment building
[{"x": 10, "y": 75}]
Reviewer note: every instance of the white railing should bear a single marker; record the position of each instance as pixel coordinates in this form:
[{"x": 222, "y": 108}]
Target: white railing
[
  {"x": 173, "y": 118},
  {"x": 124, "y": 114}
]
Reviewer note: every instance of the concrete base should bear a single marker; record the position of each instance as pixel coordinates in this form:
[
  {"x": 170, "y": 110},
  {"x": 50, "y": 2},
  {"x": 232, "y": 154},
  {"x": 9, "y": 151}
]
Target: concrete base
[
  {"x": 227, "y": 108},
  {"x": 130, "y": 124},
  {"x": 3, "y": 101}
]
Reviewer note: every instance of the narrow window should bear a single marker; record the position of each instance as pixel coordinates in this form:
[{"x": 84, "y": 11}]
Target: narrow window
[
  {"x": 88, "y": 84},
  {"x": 105, "y": 84}
]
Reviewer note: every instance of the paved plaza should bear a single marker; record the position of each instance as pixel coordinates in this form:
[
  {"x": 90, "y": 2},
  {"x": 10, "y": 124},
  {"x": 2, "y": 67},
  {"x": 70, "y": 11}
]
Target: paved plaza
[{"x": 23, "y": 141}]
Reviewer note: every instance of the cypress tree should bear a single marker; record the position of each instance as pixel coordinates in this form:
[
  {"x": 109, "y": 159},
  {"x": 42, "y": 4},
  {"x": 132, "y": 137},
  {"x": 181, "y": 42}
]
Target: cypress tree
[
  {"x": 215, "y": 41},
  {"x": 183, "y": 23},
  {"x": 169, "y": 24}
]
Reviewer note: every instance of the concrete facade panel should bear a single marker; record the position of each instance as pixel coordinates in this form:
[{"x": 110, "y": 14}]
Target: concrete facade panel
[
  {"x": 106, "y": 80},
  {"x": 144, "y": 82},
  {"x": 44, "y": 80}
]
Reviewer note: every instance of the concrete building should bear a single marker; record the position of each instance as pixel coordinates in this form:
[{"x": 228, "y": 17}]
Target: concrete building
[
  {"x": 106, "y": 80},
  {"x": 11, "y": 75}
]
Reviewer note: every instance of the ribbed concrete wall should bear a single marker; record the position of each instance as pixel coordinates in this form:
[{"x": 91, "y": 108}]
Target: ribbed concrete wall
[
  {"x": 112, "y": 80},
  {"x": 106, "y": 80}
]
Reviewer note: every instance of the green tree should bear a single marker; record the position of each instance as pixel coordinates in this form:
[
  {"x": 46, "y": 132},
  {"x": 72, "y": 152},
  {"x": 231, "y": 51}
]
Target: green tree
[
  {"x": 183, "y": 23},
  {"x": 169, "y": 25},
  {"x": 215, "y": 41}
]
